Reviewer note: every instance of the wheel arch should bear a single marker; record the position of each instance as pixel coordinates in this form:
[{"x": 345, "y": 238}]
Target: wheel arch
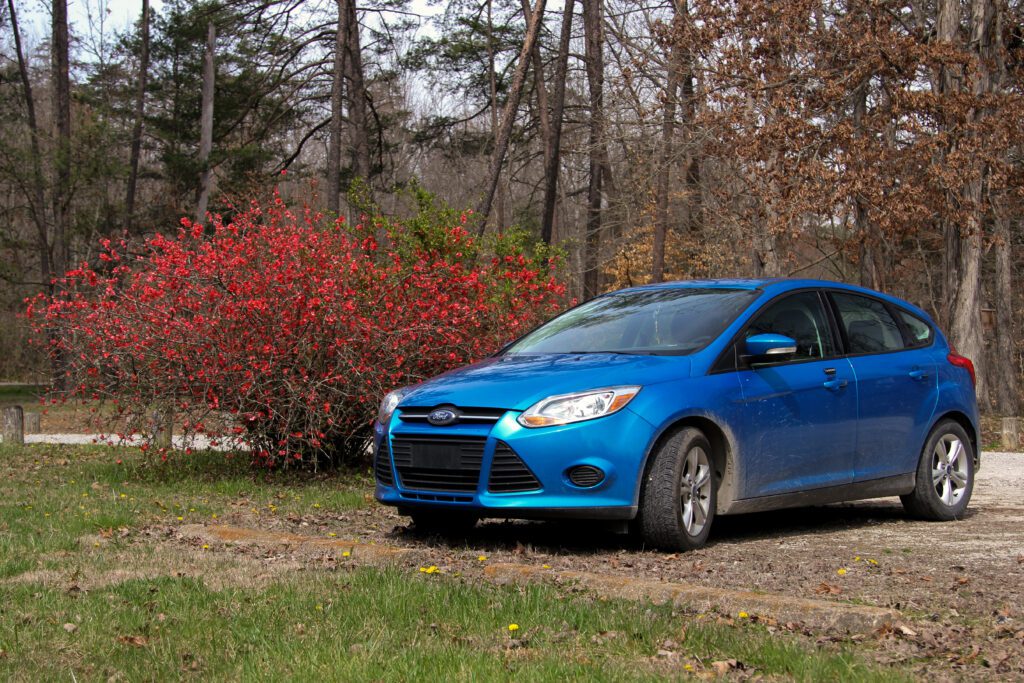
[{"x": 723, "y": 455}]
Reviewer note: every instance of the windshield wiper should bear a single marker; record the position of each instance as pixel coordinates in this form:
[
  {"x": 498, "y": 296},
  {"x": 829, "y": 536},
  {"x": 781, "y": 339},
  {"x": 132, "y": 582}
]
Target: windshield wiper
[{"x": 617, "y": 353}]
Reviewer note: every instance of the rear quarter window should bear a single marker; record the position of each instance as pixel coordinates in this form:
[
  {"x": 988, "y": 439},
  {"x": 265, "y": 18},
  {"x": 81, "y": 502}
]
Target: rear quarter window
[{"x": 918, "y": 331}]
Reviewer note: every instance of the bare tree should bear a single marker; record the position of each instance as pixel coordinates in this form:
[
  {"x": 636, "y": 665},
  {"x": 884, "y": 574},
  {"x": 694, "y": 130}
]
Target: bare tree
[
  {"x": 509, "y": 114},
  {"x": 593, "y": 17},
  {"x": 206, "y": 124},
  {"x": 553, "y": 128},
  {"x": 37, "y": 203},
  {"x": 62, "y": 122},
  {"x": 357, "y": 95},
  {"x": 140, "y": 110},
  {"x": 337, "y": 104},
  {"x": 668, "y": 132}
]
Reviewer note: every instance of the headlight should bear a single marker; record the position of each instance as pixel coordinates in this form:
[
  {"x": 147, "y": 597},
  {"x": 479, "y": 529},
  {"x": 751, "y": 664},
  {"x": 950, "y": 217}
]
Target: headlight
[
  {"x": 584, "y": 405},
  {"x": 388, "y": 405}
]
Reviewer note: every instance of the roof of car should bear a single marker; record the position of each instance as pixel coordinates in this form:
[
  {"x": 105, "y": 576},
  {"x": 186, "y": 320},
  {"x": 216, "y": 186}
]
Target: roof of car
[{"x": 773, "y": 286}]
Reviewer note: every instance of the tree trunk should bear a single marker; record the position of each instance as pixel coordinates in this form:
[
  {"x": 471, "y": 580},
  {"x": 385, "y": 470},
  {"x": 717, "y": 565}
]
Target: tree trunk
[
  {"x": 140, "y": 110},
  {"x": 593, "y": 16},
  {"x": 37, "y": 200},
  {"x": 668, "y": 131},
  {"x": 509, "y": 114},
  {"x": 62, "y": 121},
  {"x": 206, "y": 124},
  {"x": 965, "y": 327},
  {"x": 357, "y": 96},
  {"x": 1005, "y": 389},
  {"x": 947, "y": 79},
  {"x": 552, "y": 124},
  {"x": 337, "y": 103},
  {"x": 493, "y": 85}
]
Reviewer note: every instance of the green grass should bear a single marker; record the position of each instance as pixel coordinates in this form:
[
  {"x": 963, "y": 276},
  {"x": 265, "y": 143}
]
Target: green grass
[
  {"x": 58, "y": 506},
  {"x": 368, "y": 624},
  {"x": 26, "y": 395}
]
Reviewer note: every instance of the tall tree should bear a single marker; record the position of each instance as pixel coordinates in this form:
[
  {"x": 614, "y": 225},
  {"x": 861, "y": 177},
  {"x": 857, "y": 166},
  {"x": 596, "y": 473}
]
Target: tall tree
[
  {"x": 206, "y": 124},
  {"x": 37, "y": 200},
  {"x": 341, "y": 36},
  {"x": 60, "y": 77},
  {"x": 668, "y": 132},
  {"x": 553, "y": 138},
  {"x": 509, "y": 113},
  {"x": 593, "y": 18},
  {"x": 358, "y": 96},
  {"x": 140, "y": 112}
]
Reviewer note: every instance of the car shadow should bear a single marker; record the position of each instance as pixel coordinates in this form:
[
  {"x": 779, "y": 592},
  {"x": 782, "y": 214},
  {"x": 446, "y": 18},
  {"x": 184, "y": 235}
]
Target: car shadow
[{"x": 563, "y": 537}]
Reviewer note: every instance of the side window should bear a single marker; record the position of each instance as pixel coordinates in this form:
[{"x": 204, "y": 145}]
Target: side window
[
  {"x": 869, "y": 327},
  {"x": 920, "y": 331},
  {"x": 799, "y": 317}
]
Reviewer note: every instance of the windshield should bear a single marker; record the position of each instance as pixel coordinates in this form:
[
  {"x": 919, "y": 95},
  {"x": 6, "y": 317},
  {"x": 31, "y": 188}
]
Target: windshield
[{"x": 653, "y": 321}]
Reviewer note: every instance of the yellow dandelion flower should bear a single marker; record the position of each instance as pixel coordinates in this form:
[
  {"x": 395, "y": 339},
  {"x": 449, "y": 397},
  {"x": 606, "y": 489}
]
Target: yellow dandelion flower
[
  {"x": 206, "y": 547},
  {"x": 857, "y": 558},
  {"x": 124, "y": 495},
  {"x": 346, "y": 554},
  {"x": 545, "y": 566},
  {"x": 744, "y": 615},
  {"x": 873, "y": 563},
  {"x": 482, "y": 558},
  {"x": 513, "y": 627},
  {"x": 688, "y": 667},
  {"x": 213, "y": 516},
  {"x": 319, "y": 608},
  {"x": 181, "y": 519},
  {"x": 333, "y": 535},
  {"x": 316, "y": 505},
  {"x": 430, "y": 570},
  {"x": 841, "y": 571}
]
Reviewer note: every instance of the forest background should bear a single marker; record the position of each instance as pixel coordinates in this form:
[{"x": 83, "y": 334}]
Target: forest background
[{"x": 876, "y": 142}]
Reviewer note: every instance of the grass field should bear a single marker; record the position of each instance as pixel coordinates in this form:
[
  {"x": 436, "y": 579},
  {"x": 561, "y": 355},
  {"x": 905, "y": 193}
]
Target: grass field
[{"x": 92, "y": 588}]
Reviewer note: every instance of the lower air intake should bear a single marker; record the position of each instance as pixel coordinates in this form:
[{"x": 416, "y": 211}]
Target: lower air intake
[{"x": 509, "y": 474}]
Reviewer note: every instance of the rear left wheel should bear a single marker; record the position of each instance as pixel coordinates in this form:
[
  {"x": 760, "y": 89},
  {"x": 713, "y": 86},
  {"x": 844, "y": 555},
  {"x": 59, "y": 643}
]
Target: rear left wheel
[
  {"x": 679, "y": 493},
  {"x": 945, "y": 475}
]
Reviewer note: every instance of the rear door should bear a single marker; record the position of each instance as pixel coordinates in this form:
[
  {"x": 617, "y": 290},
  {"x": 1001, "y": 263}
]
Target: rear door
[
  {"x": 798, "y": 418},
  {"x": 890, "y": 350}
]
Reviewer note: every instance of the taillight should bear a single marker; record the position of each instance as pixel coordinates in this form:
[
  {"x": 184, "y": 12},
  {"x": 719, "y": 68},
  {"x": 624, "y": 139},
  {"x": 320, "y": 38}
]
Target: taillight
[{"x": 956, "y": 359}]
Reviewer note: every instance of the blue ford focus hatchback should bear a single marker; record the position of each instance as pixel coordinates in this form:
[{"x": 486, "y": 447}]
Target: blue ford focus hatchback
[{"x": 669, "y": 404}]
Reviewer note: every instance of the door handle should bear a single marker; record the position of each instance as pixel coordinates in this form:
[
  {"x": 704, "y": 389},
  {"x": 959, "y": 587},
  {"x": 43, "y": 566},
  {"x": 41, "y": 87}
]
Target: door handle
[
  {"x": 835, "y": 384},
  {"x": 918, "y": 374}
]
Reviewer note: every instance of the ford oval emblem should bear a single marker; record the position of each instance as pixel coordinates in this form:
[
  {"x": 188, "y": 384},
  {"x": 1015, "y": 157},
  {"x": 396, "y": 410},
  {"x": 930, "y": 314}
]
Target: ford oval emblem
[{"x": 442, "y": 417}]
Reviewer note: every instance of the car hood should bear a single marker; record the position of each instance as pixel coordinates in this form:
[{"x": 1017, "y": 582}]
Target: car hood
[{"x": 516, "y": 382}]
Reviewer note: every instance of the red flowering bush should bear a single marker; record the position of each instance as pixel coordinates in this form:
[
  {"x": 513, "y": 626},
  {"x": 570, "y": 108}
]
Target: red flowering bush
[{"x": 281, "y": 331}]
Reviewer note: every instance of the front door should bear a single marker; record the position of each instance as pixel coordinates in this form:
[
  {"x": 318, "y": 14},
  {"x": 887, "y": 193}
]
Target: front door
[{"x": 799, "y": 416}]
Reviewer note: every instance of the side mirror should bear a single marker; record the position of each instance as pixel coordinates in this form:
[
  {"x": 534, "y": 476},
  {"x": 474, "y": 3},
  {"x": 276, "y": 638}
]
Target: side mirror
[{"x": 766, "y": 348}]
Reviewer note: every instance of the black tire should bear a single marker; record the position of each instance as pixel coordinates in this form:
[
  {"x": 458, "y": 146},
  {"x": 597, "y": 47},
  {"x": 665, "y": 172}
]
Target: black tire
[
  {"x": 942, "y": 491},
  {"x": 443, "y": 522},
  {"x": 662, "y": 508}
]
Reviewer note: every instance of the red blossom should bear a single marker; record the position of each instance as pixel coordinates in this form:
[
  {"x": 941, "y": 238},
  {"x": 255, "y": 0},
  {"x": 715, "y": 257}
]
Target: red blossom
[{"x": 283, "y": 330}]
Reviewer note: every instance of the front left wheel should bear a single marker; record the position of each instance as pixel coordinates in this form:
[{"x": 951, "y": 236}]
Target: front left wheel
[{"x": 679, "y": 493}]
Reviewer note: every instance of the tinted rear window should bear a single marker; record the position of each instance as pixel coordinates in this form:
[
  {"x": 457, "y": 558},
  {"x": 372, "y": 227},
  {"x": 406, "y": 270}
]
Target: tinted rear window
[{"x": 661, "y": 321}]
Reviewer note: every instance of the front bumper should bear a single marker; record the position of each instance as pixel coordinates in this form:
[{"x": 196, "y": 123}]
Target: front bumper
[{"x": 615, "y": 444}]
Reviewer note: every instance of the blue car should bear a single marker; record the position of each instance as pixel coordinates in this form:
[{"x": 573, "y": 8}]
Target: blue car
[{"x": 665, "y": 405}]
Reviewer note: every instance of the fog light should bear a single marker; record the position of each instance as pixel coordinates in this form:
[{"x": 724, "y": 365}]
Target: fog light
[{"x": 586, "y": 476}]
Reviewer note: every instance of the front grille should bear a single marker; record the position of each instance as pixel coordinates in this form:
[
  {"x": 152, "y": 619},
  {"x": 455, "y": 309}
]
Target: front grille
[
  {"x": 509, "y": 473},
  {"x": 438, "y": 463},
  {"x": 382, "y": 464},
  {"x": 418, "y": 414}
]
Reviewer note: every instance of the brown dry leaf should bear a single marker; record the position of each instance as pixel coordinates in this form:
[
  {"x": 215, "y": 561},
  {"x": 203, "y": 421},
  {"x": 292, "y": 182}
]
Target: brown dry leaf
[
  {"x": 3, "y": 654},
  {"x": 724, "y": 666},
  {"x": 906, "y": 630},
  {"x": 106, "y": 533},
  {"x": 134, "y": 641},
  {"x": 825, "y": 588},
  {"x": 963, "y": 581},
  {"x": 926, "y": 578},
  {"x": 70, "y": 628}
]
